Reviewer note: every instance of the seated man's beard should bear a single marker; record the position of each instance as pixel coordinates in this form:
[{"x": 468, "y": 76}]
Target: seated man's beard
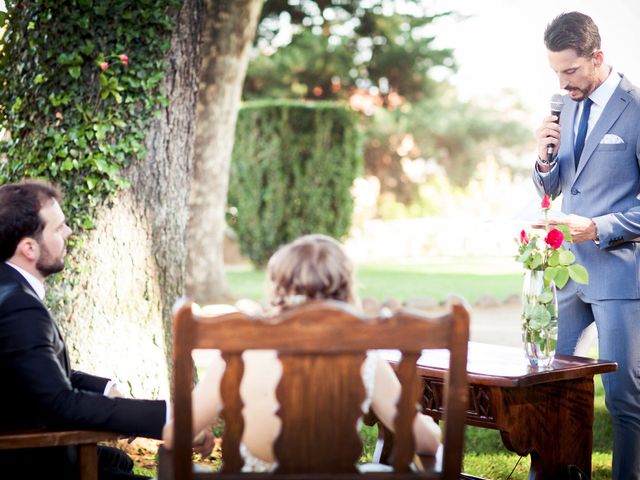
[{"x": 47, "y": 265}]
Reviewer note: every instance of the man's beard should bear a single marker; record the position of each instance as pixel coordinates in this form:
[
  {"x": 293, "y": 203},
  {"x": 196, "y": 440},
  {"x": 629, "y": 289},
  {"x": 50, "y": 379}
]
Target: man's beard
[
  {"x": 584, "y": 92},
  {"x": 47, "y": 265},
  {"x": 582, "y": 96}
]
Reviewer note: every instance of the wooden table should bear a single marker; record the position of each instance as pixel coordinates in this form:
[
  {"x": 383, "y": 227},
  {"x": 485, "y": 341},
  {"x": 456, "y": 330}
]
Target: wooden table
[{"x": 545, "y": 413}]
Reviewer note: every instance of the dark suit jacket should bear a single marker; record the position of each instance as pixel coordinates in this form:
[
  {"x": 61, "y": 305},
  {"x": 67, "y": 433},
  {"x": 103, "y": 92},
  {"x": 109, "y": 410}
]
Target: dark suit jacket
[{"x": 39, "y": 389}]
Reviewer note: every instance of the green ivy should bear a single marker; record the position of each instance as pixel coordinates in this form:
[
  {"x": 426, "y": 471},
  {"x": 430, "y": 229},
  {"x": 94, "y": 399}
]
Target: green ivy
[{"x": 79, "y": 85}]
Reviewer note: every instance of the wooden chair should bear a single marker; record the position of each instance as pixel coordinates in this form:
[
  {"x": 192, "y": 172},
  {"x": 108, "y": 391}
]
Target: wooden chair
[
  {"x": 322, "y": 346},
  {"x": 85, "y": 440}
]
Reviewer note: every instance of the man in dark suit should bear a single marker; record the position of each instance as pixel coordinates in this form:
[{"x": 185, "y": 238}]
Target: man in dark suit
[{"x": 39, "y": 388}]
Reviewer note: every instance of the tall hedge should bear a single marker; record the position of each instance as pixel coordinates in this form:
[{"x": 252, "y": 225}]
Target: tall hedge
[{"x": 291, "y": 173}]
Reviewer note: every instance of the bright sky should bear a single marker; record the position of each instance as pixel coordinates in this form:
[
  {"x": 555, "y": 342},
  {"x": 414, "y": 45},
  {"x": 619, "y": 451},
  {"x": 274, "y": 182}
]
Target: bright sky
[{"x": 501, "y": 46}]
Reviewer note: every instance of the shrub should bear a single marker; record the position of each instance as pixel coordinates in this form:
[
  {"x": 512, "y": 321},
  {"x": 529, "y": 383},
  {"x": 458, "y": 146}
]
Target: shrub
[{"x": 291, "y": 174}]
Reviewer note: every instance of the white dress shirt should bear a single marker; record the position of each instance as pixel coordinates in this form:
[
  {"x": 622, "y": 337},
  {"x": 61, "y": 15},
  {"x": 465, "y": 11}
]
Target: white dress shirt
[
  {"x": 36, "y": 284},
  {"x": 600, "y": 97}
]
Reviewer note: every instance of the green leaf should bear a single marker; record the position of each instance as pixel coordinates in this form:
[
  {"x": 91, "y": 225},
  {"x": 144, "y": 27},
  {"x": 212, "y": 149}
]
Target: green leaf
[
  {"x": 567, "y": 257},
  {"x": 524, "y": 256},
  {"x": 579, "y": 274},
  {"x": 536, "y": 261},
  {"x": 67, "y": 165},
  {"x": 87, "y": 223},
  {"x": 545, "y": 297},
  {"x": 562, "y": 277},
  {"x": 40, "y": 78},
  {"x": 565, "y": 231},
  {"x": 88, "y": 48},
  {"x": 550, "y": 273},
  {"x": 554, "y": 258},
  {"x": 17, "y": 105},
  {"x": 541, "y": 316},
  {"x": 101, "y": 165},
  {"x": 74, "y": 72}
]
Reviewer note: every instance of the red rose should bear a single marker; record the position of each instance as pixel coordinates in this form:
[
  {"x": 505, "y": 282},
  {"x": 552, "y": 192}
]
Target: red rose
[
  {"x": 523, "y": 237},
  {"x": 546, "y": 203},
  {"x": 104, "y": 66},
  {"x": 554, "y": 238}
]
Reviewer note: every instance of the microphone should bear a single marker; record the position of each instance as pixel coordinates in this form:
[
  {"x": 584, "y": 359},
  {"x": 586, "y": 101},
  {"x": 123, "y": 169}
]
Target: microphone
[{"x": 556, "y": 107}]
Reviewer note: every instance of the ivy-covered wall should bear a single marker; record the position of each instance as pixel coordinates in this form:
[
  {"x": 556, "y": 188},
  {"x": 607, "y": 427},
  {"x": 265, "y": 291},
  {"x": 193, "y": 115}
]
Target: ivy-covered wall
[
  {"x": 77, "y": 95},
  {"x": 291, "y": 174}
]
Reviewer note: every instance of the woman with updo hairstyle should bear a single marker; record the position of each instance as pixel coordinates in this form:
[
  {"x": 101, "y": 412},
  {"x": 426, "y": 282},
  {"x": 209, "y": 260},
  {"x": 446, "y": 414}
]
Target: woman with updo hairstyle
[{"x": 313, "y": 267}]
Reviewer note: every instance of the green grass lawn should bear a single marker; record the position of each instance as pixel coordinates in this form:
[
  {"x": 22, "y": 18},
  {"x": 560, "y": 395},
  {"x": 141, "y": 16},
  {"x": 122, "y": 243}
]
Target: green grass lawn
[{"x": 472, "y": 278}]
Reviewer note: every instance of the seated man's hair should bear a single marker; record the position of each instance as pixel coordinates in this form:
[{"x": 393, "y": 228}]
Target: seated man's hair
[{"x": 20, "y": 205}]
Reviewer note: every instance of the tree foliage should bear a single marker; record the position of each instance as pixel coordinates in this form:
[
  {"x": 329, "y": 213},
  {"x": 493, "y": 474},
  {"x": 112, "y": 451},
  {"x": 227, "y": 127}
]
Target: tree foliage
[
  {"x": 292, "y": 170},
  {"x": 380, "y": 56},
  {"x": 337, "y": 46},
  {"x": 456, "y": 134},
  {"x": 77, "y": 103}
]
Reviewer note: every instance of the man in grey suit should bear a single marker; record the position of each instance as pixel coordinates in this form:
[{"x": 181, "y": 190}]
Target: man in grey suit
[{"x": 592, "y": 157}]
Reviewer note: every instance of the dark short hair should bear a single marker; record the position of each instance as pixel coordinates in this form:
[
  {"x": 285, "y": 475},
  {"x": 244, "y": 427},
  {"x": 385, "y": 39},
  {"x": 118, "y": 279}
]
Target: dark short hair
[
  {"x": 20, "y": 205},
  {"x": 572, "y": 30}
]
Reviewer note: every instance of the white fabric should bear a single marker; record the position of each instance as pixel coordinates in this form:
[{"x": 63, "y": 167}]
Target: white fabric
[
  {"x": 108, "y": 386},
  {"x": 254, "y": 464},
  {"x": 36, "y": 284}
]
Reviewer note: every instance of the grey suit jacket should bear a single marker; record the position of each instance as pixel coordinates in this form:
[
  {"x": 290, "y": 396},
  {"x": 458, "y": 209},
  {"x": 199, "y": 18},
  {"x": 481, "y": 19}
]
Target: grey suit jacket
[{"x": 605, "y": 188}]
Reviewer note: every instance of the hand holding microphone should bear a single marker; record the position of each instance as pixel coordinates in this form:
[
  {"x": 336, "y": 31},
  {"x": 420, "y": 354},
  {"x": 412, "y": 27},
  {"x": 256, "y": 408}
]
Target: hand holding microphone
[{"x": 548, "y": 135}]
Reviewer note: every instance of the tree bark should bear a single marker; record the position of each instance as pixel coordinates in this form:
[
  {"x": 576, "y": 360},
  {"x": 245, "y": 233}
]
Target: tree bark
[
  {"x": 130, "y": 270},
  {"x": 229, "y": 29}
]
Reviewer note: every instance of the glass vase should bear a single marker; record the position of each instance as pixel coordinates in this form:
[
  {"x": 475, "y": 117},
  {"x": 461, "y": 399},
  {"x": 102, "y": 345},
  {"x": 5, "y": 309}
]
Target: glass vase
[{"x": 539, "y": 318}]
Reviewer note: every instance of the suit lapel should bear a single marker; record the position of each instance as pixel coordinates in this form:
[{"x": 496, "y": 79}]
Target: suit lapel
[{"x": 612, "y": 110}]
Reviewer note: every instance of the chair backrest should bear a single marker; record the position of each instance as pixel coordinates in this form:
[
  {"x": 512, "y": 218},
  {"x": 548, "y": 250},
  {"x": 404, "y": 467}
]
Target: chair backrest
[{"x": 322, "y": 346}]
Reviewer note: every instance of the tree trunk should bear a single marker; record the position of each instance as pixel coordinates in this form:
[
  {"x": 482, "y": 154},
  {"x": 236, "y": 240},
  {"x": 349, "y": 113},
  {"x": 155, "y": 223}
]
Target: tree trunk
[
  {"x": 131, "y": 268},
  {"x": 229, "y": 29}
]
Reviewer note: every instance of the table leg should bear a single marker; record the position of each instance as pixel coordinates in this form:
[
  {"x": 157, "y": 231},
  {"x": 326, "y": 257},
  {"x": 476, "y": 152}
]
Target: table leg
[{"x": 552, "y": 422}]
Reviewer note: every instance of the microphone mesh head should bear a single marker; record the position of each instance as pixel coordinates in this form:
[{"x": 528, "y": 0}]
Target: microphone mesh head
[{"x": 556, "y": 102}]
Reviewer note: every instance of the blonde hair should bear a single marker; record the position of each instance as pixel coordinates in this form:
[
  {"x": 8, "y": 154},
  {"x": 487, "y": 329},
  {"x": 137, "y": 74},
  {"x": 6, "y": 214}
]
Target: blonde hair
[{"x": 312, "y": 267}]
